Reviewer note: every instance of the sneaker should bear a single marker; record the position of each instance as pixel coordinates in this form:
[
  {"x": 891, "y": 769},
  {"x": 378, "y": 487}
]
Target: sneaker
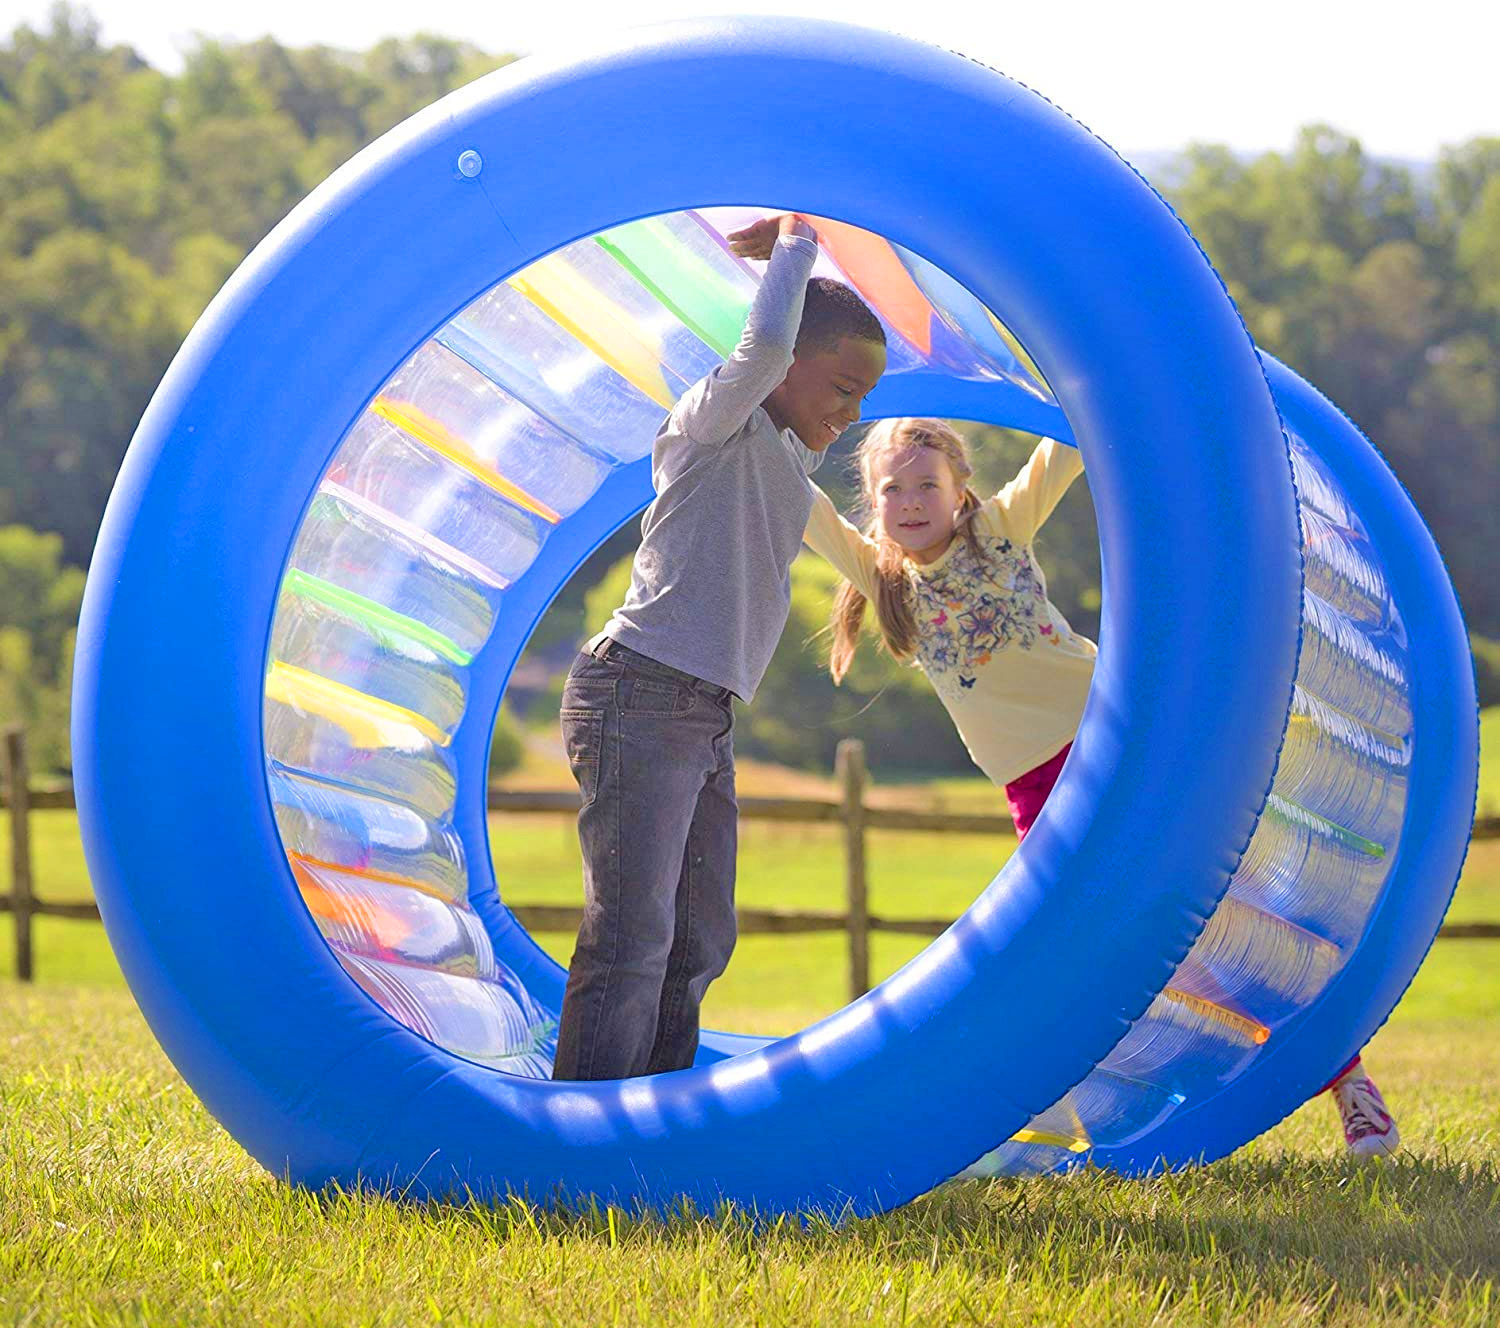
[{"x": 1369, "y": 1129}]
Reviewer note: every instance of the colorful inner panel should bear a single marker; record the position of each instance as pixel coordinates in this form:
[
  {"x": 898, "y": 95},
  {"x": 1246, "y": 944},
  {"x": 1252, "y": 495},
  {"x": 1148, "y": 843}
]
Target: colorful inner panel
[
  {"x": 1315, "y": 867},
  {"x": 500, "y": 428}
]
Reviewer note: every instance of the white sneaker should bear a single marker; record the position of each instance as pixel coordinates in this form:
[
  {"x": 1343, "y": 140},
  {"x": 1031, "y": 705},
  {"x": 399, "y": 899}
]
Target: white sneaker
[{"x": 1369, "y": 1129}]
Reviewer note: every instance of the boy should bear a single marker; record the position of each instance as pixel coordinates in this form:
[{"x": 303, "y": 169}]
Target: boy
[{"x": 646, "y": 710}]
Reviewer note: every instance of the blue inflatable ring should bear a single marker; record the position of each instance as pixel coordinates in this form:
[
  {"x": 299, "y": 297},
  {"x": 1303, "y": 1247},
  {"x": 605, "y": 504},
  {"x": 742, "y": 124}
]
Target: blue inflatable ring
[{"x": 1059, "y": 956}]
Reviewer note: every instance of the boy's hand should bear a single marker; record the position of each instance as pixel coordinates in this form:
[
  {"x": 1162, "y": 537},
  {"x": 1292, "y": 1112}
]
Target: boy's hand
[{"x": 759, "y": 239}]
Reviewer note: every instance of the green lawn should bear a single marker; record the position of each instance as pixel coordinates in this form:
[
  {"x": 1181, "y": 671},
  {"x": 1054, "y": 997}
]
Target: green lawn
[
  {"x": 1489, "y": 762},
  {"x": 124, "y": 1202}
]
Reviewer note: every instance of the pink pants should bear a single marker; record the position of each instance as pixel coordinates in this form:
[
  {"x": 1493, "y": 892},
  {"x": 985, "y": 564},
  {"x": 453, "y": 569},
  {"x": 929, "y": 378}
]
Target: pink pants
[{"x": 1026, "y": 795}]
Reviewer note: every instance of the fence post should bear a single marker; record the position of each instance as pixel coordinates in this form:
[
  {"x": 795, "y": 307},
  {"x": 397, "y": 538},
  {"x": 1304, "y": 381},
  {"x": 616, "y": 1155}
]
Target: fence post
[
  {"x": 19, "y": 795},
  {"x": 849, "y": 765}
]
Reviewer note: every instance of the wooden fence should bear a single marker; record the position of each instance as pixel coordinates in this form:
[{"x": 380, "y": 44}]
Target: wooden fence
[{"x": 852, "y": 810}]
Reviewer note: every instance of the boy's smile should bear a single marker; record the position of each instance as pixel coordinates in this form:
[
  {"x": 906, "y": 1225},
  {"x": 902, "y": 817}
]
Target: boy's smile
[{"x": 824, "y": 389}]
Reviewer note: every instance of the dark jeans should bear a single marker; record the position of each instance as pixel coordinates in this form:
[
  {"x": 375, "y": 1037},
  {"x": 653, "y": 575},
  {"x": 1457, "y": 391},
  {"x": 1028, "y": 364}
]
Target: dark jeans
[{"x": 652, "y": 750}]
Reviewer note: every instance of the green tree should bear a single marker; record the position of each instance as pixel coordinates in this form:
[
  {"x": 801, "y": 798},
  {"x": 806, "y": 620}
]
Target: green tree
[
  {"x": 126, "y": 199},
  {"x": 86, "y": 331},
  {"x": 412, "y": 72},
  {"x": 1382, "y": 292},
  {"x": 1478, "y": 249},
  {"x": 39, "y": 601},
  {"x": 44, "y": 74},
  {"x": 507, "y": 745}
]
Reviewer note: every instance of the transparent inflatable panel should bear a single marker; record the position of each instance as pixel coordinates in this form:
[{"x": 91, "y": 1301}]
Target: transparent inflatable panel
[
  {"x": 1352, "y": 669},
  {"x": 1340, "y": 570},
  {"x": 1332, "y": 764},
  {"x": 1313, "y": 873},
  {"x": 325, "y": 824},
  {"x": 330, "y": 731},
  {"x": 1317, "y": 490},
  {"x": 507, "y": 338},
  {"x": 492, "y": 1021},
  {"x": 1124, "y": 1107},
  {"x": 1317, "y": 862},
  {"x": 1182, "y": 1043},
  {"x": 324, "y": 629},
  {"x": 985, "y": 352},
  {"x": 549, "y": 473},
  {"x": 686, "y": 266},
  {"x": 395, "y": 923},
  {"x": 901, "y": 355},
  {"x": 592, "y": 318},
  {"x": 1051, "y": 1139},
  {"x": 1017, "y": 1157},
  {"x": 590, "y": 288},
  {"x": 1256, "y": 964},
  {"x": 399, "y": 471},
  {"x": 349, "y": 542}
]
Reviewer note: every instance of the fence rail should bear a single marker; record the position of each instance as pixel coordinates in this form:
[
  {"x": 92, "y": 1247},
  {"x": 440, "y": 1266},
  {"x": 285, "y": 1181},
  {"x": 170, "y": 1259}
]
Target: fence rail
[{"x": 852, "y": 811}]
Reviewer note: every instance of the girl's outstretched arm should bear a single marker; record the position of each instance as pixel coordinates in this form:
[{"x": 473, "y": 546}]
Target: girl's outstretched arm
[
  {"x": 1028, "y": 500},
  {"x": 831, "y": 537}
]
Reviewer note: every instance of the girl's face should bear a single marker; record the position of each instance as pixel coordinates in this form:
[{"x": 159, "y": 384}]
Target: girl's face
[{"x": 916, "y": 500}]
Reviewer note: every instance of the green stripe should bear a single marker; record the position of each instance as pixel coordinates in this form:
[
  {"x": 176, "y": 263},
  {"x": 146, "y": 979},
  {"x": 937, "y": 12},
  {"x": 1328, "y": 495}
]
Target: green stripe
[
  {"x": 371, "y": 614},
  {"x": 707, "y": 305},
  {"x": 1290, "y": 811}
]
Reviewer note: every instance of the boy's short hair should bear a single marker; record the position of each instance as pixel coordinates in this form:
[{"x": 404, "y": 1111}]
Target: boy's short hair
[{"x": 831, "y": 311}]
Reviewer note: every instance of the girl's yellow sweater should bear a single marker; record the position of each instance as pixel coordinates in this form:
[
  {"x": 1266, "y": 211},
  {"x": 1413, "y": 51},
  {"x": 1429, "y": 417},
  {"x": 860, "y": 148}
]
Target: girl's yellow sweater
[{"x": 1011, "y": 672}]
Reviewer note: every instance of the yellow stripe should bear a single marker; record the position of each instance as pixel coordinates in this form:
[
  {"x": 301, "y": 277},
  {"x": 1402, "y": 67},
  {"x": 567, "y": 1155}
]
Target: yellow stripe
[
  {"x": 1256, "y": 1032},
  {"x": 598, "y": 322},
  {"x": 1018, "y": 350},
  {"x": 1051, "y": 1140},
  {"x": 431, "y": 434},
  {"x": 367, "y": 720}
]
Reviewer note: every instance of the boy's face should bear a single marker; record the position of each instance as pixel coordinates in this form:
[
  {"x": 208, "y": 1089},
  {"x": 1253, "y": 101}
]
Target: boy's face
[{"x": 824, "y": 389}]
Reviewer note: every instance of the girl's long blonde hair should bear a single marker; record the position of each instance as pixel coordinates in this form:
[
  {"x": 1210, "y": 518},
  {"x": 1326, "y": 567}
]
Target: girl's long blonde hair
[{"x": 893, "y": 610}]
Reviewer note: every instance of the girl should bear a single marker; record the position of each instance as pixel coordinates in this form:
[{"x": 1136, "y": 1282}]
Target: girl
[{"x": 958, "y": 592}]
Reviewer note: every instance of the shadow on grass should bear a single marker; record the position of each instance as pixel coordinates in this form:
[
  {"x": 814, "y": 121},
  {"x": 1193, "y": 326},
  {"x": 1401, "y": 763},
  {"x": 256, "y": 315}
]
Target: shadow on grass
[
  {"x": 1337, "y": 1230},
  {"x": 1334, "y": 1232}
]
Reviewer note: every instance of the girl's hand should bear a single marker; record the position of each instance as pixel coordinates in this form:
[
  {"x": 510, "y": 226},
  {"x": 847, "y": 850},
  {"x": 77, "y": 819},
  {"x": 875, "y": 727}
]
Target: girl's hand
[{"x": 759, "y": 239}]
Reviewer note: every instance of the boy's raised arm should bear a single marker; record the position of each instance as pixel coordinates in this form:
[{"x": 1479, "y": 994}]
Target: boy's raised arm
[{"x": 717, "y": 407}]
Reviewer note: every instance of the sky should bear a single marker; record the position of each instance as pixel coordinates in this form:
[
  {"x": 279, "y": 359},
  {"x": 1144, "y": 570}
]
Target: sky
[{"x": 1150, "y": 76}]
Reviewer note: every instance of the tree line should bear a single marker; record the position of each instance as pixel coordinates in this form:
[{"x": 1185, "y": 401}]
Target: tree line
[{"x": 128, "y": 195}]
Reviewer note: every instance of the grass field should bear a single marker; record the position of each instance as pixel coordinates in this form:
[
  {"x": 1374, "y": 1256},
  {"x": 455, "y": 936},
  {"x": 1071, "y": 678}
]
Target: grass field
[{"x": 122, "y": 1201}]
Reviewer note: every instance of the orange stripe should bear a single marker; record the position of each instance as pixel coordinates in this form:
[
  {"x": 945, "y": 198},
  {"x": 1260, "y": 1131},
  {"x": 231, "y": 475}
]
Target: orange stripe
[
  {"x": 386, "y": 928},
  {"x": 1256, "y": 1032},
  {"x": 872, "y": 265},
  {"x": 366, "y": 874}
]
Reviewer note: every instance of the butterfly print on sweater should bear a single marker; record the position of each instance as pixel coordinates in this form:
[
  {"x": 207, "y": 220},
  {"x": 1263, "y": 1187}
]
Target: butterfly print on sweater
[{"x": 968, "y": 609}]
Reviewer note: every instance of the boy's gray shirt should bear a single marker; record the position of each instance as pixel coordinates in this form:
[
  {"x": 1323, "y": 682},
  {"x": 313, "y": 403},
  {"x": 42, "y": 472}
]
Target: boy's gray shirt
[{"x": 710, "y": 588}]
